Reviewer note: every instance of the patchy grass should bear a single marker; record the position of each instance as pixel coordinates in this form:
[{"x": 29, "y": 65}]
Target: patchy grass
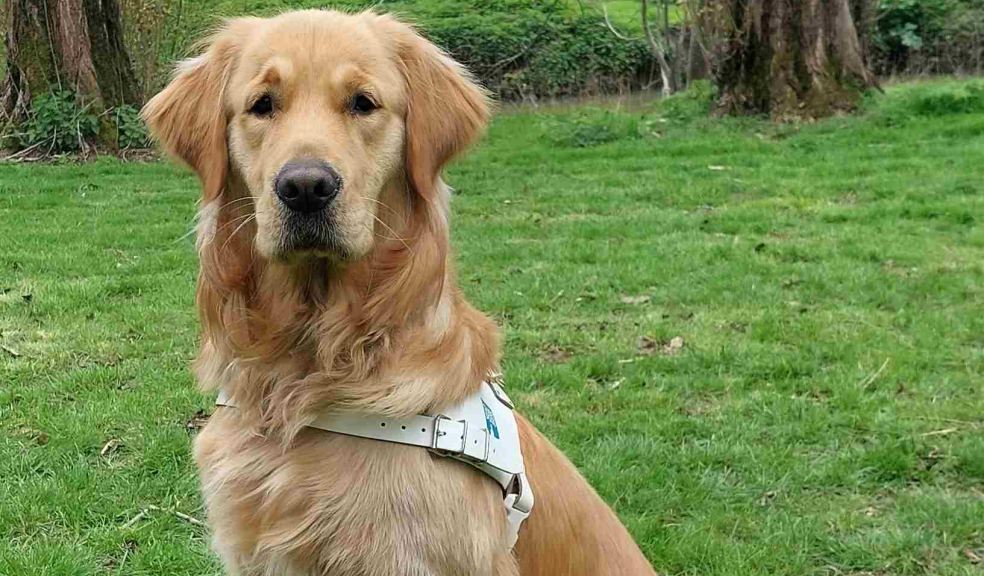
[{"x": 762, "y": 344}]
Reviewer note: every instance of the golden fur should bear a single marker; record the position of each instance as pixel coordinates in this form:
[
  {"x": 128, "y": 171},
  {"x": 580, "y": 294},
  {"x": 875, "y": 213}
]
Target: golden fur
[{"x": 374, "y": 323}]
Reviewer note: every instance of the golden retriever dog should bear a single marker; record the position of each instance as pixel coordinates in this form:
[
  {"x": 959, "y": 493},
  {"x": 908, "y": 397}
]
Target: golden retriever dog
[{"x": 325, "y": 283}]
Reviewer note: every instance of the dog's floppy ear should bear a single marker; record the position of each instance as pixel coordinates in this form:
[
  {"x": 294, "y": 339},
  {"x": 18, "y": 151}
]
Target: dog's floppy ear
[
  {"x": 446, "y": 112},
  {"x": 188, "y": 116}
]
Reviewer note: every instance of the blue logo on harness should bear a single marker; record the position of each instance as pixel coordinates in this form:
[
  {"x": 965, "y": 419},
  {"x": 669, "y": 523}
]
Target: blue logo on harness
[{"x": 490, "y": 420}]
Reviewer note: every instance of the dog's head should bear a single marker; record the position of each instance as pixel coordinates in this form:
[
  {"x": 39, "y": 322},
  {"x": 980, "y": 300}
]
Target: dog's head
[{"x": 333, "y": 128}]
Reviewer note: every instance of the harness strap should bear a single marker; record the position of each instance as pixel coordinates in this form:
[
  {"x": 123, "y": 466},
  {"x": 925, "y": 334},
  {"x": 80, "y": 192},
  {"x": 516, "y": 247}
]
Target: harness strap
[{"x": 458, "y": 439}]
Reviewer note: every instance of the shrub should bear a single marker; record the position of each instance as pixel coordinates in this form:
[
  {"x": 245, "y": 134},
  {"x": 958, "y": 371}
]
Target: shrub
[
  {"x": 59, "y": 122},
  {"x": 904, "y": 25},
  {"x": 929, "y": 36},
  {"x": 519, "y": 49},
  {"x": 131, "y": 132},
  {"x": 524, "y": 51}
]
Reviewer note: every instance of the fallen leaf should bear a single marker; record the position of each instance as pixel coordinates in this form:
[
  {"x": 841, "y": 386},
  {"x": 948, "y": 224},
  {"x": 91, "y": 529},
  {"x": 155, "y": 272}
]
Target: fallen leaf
[
  {"x": 634, "y": 300},
  {"x": 716, "y": 168},
  {"x": 11, "y": 351},
  {"x": 674, "y": 346},
  {"x": 870, "y": 511},
  {"x": 111, "y": 447},
  {"x": 942, "y": 432},
  {"x": 767, "y": 498},
  {"x": 975, "y": 556},
  {"x": 932, "y": 459},
  {"x": 649, "y": 346}
]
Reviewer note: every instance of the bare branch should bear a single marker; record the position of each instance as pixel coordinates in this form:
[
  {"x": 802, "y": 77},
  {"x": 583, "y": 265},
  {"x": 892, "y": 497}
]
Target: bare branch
[
  {"x": 657, "y": 47},
  {"x": 619, "y": 35}
]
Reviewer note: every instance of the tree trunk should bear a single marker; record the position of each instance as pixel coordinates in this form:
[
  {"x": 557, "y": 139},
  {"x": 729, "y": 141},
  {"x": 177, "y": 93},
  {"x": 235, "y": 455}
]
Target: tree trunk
[
  {"x": 865, "y": 13},
  {"x": 658, "y": 42},
  {"x": 789, "y": 58},
  {"x": 114, "y": 69},
  {"x": 72, "y": 45}
]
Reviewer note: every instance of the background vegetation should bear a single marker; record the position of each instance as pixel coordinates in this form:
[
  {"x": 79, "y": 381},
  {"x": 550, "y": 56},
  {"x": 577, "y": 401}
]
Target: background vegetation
[
  {"x": 762, "y": 343},
  {"x": 523, "y": 50},
  {"x": 543, "y": 48},
  {"x": 930, "y": 37},
  {"x": 520, "y": 49}
]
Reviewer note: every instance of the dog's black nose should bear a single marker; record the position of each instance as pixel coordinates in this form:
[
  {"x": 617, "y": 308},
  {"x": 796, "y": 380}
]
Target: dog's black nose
[{"x": 307, "y": 185}]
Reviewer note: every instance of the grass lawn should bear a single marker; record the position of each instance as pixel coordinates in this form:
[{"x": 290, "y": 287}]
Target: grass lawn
[{"x": 824, "y": 414}]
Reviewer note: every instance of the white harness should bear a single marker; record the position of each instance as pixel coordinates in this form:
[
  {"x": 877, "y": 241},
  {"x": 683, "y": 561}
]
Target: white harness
[{"x": 481, "y": 431}]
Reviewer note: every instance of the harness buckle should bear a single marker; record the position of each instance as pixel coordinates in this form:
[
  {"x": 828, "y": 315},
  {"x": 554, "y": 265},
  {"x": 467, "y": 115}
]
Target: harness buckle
[{"x": 441, "y": 429}]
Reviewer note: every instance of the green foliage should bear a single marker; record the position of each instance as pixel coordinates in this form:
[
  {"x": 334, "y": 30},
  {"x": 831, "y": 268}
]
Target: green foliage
[
  {"x": 524, "y": 50},
  {"x": 519, "y": 49},
  {"x": 131, "y": 132},
  {"x": 941, "y": 36},
  {"x": 59, "y": 123},
  {"x": 902, "y": 24}
]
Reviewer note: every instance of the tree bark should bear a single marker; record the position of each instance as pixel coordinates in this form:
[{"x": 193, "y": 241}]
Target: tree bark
[
  {"x": 72, "y": 45},
  {"x": 789, "y": 58},
  {"x": 114, "y": 69}
]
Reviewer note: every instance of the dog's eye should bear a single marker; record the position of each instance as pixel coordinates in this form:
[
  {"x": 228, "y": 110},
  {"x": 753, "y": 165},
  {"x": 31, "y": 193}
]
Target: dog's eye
[
  {"x": 262, "y": 107},
  {"x": 362, "y": 104}
]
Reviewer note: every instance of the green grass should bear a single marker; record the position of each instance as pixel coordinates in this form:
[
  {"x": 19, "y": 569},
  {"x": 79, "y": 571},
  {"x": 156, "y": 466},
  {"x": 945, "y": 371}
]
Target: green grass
[
  {"x": 824, "y": 416},
  {"x": 627, "y": 14}
]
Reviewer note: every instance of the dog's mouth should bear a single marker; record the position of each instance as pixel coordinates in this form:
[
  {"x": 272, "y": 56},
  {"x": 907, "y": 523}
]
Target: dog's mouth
[{"x": 313, "y": 234}]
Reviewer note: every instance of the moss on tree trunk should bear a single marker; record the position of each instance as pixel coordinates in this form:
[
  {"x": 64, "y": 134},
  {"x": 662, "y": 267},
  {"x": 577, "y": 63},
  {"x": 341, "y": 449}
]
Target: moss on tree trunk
[
  {"x": 789, "y": 58},
  {"x": 72, "y": 45}
]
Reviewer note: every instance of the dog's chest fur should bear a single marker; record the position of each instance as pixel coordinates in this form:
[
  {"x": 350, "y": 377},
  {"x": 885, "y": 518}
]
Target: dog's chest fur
[{"x": 333, "y": 504}]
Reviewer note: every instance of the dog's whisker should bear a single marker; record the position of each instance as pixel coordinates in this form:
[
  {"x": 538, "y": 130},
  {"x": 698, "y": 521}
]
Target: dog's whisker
[
  {"x": 234, "y": 232},
  {"x": 234, "y": 221},
  {"x": 191, "y": 231},
  {"x": 234, "y": 201},
  {"x": 383, "y": 204},
  {"x": 383, "y": 236},
  {"x": 398, "y": 238}
]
